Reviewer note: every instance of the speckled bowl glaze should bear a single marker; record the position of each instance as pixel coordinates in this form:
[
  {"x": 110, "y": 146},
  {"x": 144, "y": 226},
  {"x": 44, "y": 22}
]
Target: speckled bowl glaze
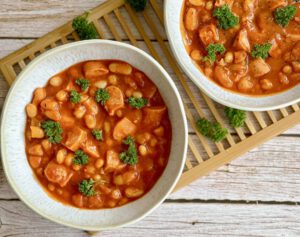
[
  {"x": 172, "y": 13},
  {"x": 17, "y": 169}
]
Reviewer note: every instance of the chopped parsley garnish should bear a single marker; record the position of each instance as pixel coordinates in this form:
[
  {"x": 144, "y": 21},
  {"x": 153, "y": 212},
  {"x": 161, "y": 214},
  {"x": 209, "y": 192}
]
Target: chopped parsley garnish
[
  {"x": 75, "y": 97},
  {"x": 53, "y": 131},
  {"x": 97, "y": 134},
  {"x": 80, "y": 158},
  {"x": 83, "y": 83},
  {"x": 284, "y": 15},
  {"x": 86, "y": 187},
  {"x": 130, "y": 156},
  {"x": 212, "y": 50},
  {"x": 85, "y": 30},
  {"x": 236, "y": 117},
  {"x": 101, "y": 96},
  {"x": 137, "y": 103},
  {"x": 226, "y": 19},
  {"x": 138, "y": 5},
  {"x": 211, "y": 130},
  {"x": 261, "y": 50}
]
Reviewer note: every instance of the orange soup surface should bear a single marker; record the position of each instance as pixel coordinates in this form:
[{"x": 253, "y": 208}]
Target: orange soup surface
[
  {"x": 258, "y": 40},
  {"x": 98, "y": 135}
]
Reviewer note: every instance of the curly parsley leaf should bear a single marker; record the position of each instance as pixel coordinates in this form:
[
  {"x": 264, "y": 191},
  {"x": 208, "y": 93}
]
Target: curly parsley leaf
[
  {"x": 130, "y": 156},
  {"x": 284, "y": 15},
  {"x": 213, "y": 131},
  {"x": 52, "y": 130},
  {"x": 75, "y": 97},
  {"x": 261, "y": 50},
  {"x": 226, "y": 19},
  {"x": 137, "y": 103},
  {"x": 138, "y": 5},
  {"x": 236, "y": 117},
  {"x": 212, "y": 51},
  {"x": 101, "y": 96},
  {"x": 85, "y": 30},
  {"x": 80, "y": 158},
  {"x": 86, "y": 187},
  {"x": 83, "y": 83},
  {"x": 98, "y": 134}
]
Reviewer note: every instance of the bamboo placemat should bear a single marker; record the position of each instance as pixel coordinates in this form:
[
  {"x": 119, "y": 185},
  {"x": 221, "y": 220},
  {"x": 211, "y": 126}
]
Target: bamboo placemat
[{"x": 116, "y": 20}]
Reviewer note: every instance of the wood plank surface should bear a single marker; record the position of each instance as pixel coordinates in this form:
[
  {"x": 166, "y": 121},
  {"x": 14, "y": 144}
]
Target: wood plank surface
[
  {"x": 221, "y": 204},
  {"x": 170, "y": 219}
]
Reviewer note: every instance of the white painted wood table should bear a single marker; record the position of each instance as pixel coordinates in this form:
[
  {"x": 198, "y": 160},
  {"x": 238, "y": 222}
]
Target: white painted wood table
[{"x": 256, "y": 195}]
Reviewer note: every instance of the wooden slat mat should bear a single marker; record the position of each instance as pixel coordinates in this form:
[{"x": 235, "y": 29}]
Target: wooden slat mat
[{"x": 116, "y": 20}]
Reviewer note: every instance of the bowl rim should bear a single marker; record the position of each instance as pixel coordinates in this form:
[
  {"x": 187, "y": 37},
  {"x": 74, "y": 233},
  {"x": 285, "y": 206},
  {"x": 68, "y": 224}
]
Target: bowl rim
[
  {"x": 193, "y": 77},
  {"x": 35, "y": 62}
]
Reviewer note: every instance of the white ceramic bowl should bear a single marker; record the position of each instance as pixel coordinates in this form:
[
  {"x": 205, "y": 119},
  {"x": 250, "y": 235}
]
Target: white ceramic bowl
[
  {"x": 17, "y": 169},
  {"x": 172, "y": 13}
]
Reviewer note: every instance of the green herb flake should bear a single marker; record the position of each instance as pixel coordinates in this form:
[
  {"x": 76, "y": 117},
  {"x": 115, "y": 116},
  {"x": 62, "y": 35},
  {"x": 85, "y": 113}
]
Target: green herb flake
[
  {"x": 85, "y": 30},
  {"x": 284, "y": 15},
  {"x": 138, "y": 5},
  {"x": 83, "y": 83},
  {"x": 137, "y": 103},
  {"x": 261, "y": 50},
  {"x": 80, "y": 158},
  {"x": 75, "y": 97},
  {"x": 52, "y": 130},
  {"x": 101, "y": 96},
  {"x": 86, "y": 187},
  {"x": 236, "y": 117},
  {"x": 213, "y": 131},
  {"x": 212, "y": 50},
  {"x": 226, "y": 19},
  {"x": 98, "y": 134},
  {"x": 130, "y": 156}
]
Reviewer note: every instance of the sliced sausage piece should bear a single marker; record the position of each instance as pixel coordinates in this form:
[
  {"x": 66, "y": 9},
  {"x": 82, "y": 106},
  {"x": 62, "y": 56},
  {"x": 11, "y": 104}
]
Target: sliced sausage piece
[
  {"x": 245, "y": 84},
  {"x": 94, "y": 69},
  {"x": 273, "y": 4},
  {"x": 116, "y": 100},
  {"x": 209, "y": 34},
  {"x": 191, "y": 19},
  {"x": 153, "y": 115},
  {"x": 123, "y": 129},
  {"x": 59, "y": 174},
  {"x": 242, "y": 41},
  {"x": 275, "y": 51},
  {"x": 113, "y": 161},
  {"x": 91, "y": 148},
  {"x": 222, "y": 74},
  {"x": 75, "y": 138},
  {"x": 258, "y": 67}
]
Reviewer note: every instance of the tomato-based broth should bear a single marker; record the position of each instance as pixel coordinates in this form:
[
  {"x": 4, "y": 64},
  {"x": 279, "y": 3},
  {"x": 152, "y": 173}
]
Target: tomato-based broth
[
  {"x": 247, "y": 46},
  {"x": 98, "y": 135}
]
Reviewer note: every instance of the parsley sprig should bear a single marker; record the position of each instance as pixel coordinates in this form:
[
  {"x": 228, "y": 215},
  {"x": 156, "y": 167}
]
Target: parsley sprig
[
  {"x": 261, "y": 50},
  {"x": 101, "y": 96},
  {"x": 226, "y": 19},
  {"x": 98, "y": 134},
  {"x": 85, "y": 30},
  {"x": 52, "y": 130},
  {"x": 137, "y": 103},
  {"x": 86, "y": 187},
  {"x": 284, "y": 15},
  {"x": 138, "y": 5},
  {"x": 236, "y": 117},
  {"x": 212, "y": 51},
  {"x": 211, "y": 130},
  {"x": 75, "y": 97},
  {"x": 130, "y": 156},
  {"x": 83, "y": 83},
  {"x": 80, "y": 158}
]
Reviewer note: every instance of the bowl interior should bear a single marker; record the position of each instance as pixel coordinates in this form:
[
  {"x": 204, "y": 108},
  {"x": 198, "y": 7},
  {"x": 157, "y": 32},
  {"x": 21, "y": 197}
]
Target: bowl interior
[
  {"x": 172, "y": 12},
  {"x": 14, "y": 159}
]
